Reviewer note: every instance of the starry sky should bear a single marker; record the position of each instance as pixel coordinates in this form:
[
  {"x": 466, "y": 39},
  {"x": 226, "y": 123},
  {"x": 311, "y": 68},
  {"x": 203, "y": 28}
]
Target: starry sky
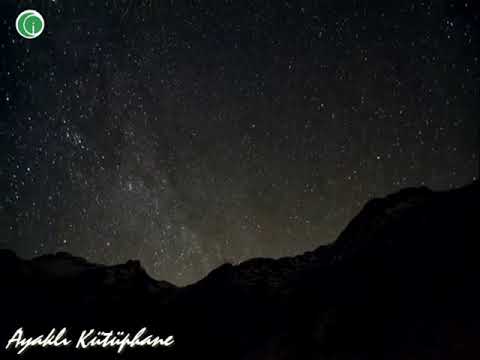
[{"x": 187, "y": 134}]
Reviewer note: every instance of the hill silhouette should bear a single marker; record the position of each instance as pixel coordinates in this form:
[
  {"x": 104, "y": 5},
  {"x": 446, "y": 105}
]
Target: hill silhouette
[{"x": 400, "y": 282}]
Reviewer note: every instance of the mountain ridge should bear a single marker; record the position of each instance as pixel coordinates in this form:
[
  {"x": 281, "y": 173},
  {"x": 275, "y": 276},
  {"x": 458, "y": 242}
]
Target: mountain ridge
[{"x": 398, "y": 283}]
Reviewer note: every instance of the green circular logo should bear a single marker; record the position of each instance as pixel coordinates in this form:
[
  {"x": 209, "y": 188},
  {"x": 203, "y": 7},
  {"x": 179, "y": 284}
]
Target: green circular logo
[{"x": 30, "y": 24}]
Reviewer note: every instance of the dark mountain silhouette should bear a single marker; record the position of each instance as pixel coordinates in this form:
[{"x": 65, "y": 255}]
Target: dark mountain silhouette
[{"x": 400, "y": 282}]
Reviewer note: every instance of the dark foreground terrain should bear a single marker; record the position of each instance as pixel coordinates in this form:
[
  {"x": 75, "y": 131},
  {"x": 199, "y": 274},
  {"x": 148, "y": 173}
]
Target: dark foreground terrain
[{"x": 401, "y": 282}]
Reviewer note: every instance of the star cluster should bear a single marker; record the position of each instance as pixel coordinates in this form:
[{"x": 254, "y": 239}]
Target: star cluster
[{"x": 189, "y": 134}]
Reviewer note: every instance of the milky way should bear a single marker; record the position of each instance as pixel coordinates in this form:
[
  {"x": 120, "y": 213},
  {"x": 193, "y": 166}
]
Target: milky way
[{"x": 187, "y": 134}]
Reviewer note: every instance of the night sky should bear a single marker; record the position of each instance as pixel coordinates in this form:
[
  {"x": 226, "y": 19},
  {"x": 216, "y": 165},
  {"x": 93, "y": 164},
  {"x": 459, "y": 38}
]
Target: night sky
[{"x": 187, "y": 134}]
